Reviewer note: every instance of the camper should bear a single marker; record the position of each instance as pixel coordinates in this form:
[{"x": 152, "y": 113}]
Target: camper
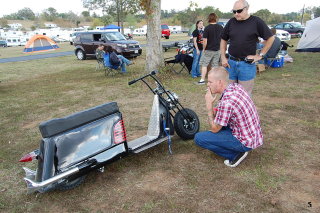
[
  {"x": 13, "y": 41},
  {"x": 140, "y": 32},
  {"x": 175, "y": 29}
]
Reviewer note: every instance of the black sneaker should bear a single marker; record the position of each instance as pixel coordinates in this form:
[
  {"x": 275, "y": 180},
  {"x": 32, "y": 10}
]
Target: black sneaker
[{"x": 237, "y": 161}]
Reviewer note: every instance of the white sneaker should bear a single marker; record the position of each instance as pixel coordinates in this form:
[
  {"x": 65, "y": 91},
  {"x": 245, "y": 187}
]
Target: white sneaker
[{"x": 237, "y": 161}]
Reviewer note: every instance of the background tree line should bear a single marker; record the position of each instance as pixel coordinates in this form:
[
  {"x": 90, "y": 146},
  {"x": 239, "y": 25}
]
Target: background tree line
[{"x": 122, "y": 10}]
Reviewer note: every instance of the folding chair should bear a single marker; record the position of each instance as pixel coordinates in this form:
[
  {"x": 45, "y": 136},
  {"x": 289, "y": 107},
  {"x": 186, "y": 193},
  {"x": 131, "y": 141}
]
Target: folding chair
[
  {"x": 110, "y": 69},
  {"x": 273, "y": 52},
  {"x": 100, "y": 64},
  {"x": 183, "y": 60}
]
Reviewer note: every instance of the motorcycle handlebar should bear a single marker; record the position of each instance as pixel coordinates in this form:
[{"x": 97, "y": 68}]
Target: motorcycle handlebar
[{"x": 138, "y": 79}]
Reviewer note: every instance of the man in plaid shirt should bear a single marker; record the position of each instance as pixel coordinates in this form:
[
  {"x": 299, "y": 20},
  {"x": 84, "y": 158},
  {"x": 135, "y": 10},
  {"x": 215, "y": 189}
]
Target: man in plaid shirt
[{"x": 235, "y": 124}]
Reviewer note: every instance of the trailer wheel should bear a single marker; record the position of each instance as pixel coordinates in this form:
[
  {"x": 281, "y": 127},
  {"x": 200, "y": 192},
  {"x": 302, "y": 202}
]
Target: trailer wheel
[
  {"x": 186, "y": 123},
  {"x": 71, "y": 184}
]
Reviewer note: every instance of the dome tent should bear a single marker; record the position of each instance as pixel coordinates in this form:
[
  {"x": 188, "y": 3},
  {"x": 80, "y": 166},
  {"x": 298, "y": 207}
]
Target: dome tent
[
  {"x": 310, "y": 39},
  {"x": 39, "y": 43}
]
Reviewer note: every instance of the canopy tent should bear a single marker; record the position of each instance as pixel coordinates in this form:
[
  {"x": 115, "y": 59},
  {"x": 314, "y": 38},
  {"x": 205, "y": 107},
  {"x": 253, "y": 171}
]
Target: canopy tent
[
  {"x": 110, "y": 27},
  {"x": 310, "y": 39},
  {"x": 39, "y": 43}
]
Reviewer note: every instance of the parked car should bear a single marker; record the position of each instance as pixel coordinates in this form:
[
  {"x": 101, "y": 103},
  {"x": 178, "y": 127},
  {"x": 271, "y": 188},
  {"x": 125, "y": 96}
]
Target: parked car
[
  {"x": 3, "y": 43},
  {"x": 294, "y": 28},
  {"x": 283, "y": 35},
  {"x": 165, "y": 31},
  {"x": 86, "y": 44}
]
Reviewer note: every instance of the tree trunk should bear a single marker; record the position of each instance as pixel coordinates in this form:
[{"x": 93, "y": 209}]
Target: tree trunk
[{"x": 154, "y": 55}]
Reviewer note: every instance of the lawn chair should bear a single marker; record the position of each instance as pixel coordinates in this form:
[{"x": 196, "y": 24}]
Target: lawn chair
[
  {"x": 273, "y": 52},
  {"x": 110, "y": 69},
  {"x": 100, "y": 64},
  {"x": 184, "y": 59}
]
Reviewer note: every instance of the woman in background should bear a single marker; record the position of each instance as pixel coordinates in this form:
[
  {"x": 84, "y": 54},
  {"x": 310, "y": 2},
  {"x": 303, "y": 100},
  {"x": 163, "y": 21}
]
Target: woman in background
[{"x": 197, "y": 50}]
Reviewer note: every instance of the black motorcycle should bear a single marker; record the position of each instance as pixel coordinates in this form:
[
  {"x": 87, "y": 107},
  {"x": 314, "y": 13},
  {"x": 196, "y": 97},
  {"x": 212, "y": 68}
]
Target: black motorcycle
[{"x": 88, "y": 140}]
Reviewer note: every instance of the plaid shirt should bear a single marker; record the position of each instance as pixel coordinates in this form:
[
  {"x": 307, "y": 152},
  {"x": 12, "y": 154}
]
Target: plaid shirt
[{"x": 236, "y": 110}]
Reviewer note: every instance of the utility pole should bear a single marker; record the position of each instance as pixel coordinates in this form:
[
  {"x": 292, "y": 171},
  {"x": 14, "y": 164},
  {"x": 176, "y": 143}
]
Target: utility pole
[
  {"x": 118, "y": 14},
  {"x": 302, "y": 15}
]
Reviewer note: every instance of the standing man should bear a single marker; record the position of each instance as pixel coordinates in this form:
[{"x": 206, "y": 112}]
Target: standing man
[
  {"x": 243, "y": 31},
  {"x": 211, "y": 44},
  {"x": 234, "y": 124}
]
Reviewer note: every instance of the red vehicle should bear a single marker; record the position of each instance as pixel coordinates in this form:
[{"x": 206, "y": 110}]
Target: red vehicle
[{"x": 165, "y": 31}]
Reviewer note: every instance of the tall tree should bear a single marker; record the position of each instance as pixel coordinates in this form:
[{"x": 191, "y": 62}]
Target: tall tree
[
  {"x": 116, "y": 8},
  {"x": 154, "y": 56},
  {"x": 26, "y": 14}
]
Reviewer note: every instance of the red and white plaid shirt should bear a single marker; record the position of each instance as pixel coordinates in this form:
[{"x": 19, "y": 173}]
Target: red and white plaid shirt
[{"x": 237, "y": 110}]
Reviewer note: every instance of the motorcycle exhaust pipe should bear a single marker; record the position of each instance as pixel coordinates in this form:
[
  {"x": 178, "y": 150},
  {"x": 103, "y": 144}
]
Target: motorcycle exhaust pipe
[{"x": 34, "y": 186}]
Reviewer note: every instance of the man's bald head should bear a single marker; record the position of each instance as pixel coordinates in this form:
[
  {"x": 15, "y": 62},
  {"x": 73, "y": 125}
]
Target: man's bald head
[
  {"x": 241, "y": 4},
  {"x": 219, "y": 73}
]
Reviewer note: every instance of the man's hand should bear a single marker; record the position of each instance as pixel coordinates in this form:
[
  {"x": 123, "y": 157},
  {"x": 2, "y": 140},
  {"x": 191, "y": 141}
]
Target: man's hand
[
  {"x": 254, "y": 57},
  {"x": 224, "y": 62},
  {"x": 209, "y": 100}
]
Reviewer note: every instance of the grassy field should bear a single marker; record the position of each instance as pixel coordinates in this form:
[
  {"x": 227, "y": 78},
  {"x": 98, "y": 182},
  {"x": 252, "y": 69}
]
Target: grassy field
[{"x": 281, "y": 176}]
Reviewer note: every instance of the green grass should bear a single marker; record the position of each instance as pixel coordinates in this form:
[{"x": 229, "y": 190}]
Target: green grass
[{"x": 281, "y": 176}]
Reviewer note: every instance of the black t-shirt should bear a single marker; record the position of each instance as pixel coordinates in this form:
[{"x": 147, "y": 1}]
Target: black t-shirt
[
  {"x": 243, "y": 35},
  {"x": 199, "y": 35},
  {"x": 212, "y": 33}
]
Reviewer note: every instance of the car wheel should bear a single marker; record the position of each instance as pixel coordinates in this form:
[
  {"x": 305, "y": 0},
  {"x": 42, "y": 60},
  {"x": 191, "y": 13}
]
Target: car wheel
[
  {"x": 80, "y": 55},
  {"x": 167, "y": 37},
  {"x": 299, "y": 34}
]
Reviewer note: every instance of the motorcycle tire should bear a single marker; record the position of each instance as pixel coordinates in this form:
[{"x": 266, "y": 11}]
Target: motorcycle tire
[
  {"x": 71, "y": 184},
  {"x": 184, "y": 128}
]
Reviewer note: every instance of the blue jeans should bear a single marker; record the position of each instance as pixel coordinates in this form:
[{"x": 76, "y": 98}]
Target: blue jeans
[
  {"x": 195, "y": 72},
  {"x": 241, "y": 71},
  {"x": 223, "y": 143},
  {"x": 124, "y": 63}
]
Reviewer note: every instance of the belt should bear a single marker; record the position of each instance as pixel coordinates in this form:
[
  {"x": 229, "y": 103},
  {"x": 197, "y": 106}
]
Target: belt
[{"x": 235, "y": 59}]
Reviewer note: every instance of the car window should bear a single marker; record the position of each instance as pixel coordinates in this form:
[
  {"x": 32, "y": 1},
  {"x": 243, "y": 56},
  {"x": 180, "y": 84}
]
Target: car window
[
  {"x": 296, "y": 25},
  {"x": 278, "y": 26},
  {"x": 287, "y": 26},
  {"x": 97, "y": 37},
  {"x": 164, "y": 27},
  {"x": 86, "y": 37},
  {"x": 114, "y": 36}
]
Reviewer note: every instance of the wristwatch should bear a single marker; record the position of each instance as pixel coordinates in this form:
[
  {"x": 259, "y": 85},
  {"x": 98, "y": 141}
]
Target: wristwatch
[{"x": 262, "y": 55}]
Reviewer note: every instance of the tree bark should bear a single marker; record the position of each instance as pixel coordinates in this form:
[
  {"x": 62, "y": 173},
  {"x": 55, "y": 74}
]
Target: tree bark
[{"x": 154, "y": 55}]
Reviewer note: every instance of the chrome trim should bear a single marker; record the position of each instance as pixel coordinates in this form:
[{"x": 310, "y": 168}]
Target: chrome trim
[{"x": 34, "y": 186}]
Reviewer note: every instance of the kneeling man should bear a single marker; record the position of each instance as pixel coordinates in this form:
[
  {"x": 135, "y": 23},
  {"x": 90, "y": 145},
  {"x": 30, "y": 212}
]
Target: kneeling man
[{"x": 234, "y": 124}]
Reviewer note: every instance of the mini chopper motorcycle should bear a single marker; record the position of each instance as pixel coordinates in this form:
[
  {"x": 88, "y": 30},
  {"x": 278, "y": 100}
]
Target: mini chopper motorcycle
[{"x": 88, "y": 140}]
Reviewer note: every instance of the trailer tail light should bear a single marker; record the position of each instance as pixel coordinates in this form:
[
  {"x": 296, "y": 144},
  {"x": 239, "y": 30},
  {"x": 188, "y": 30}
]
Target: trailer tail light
[
  {"x": 30, "y": 156},
  {"x": 119, "y": 133}
]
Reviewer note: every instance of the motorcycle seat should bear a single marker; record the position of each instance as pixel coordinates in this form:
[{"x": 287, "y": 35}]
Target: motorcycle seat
[{"x": 58, "y": 125}]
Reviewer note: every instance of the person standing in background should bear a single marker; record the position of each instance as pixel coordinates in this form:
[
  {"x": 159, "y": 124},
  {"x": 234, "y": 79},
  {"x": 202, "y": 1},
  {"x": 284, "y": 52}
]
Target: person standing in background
[
  {"x": 242, "y": 31},
  {"x": 211, "y": 46},
  {"x": 197, "y": 50}
]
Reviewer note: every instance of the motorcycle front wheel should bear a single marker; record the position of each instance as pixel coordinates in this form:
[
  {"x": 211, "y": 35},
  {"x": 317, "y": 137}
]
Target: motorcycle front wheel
[{"x": 186, "y": 124}]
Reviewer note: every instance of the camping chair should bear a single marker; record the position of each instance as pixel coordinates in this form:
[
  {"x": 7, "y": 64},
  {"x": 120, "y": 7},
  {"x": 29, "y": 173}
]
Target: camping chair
[
  {"x": 110, "y": 69},
  {"x": 273, "y": 52},
  {"x": 100, "y": 64},
  {"x": 184, "y": 61}
]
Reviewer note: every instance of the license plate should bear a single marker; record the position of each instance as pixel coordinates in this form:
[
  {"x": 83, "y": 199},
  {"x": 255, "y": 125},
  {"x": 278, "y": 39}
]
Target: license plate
[{"x": 136, "y": 51}]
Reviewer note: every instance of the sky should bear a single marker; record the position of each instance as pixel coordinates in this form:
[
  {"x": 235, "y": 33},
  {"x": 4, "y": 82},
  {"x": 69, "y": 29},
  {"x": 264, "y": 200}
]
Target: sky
[{"x": 276, "y": 6}]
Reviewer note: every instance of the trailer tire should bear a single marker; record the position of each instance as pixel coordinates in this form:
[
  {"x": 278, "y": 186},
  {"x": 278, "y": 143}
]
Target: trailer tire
[
  {"x": 184, "y": 128},
  {"x": 71, "y": 184}
]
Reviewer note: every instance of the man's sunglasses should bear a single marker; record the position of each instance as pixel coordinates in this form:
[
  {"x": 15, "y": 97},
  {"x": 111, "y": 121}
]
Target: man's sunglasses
[{"x": 238, "y": 11}]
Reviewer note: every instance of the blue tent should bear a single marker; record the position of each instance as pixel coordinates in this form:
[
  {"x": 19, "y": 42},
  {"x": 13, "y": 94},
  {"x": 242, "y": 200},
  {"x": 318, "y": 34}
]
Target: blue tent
[{"x": 110, "y": 27}]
